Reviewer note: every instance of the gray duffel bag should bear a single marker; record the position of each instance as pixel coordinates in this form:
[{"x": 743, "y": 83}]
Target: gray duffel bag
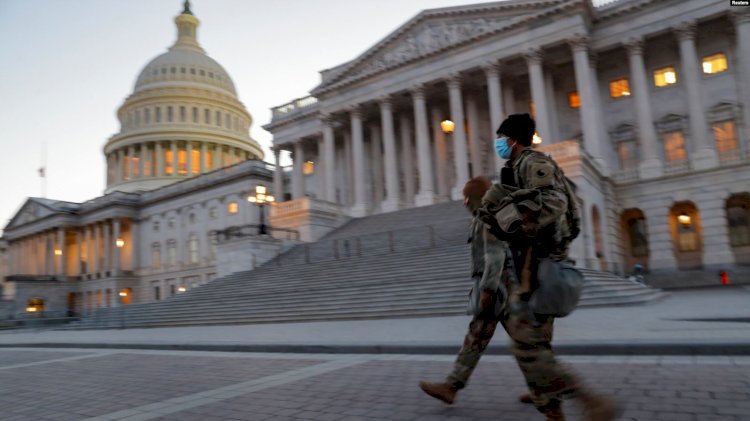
[{"x": 559, "y": 289}]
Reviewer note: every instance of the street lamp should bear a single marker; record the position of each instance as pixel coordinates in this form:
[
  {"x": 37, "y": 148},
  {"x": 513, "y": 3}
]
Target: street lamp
[
  {"x": 261, "y": 199},
  {"x": 447, "y": 126}
]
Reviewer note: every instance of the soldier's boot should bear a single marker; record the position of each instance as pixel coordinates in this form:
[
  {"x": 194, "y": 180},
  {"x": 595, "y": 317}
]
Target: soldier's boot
[
  {"x": 525, "y": 398},
  {"x": 443, "y": 391},
  {"x": 599, "y": 407}
]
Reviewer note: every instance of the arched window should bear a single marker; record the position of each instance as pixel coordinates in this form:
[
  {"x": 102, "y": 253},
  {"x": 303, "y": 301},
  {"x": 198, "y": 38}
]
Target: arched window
[
  {"x": 35, "y": 305},
  {"x": 685, "y": 224},
  {"x": 738, "y": 219},
  {"x": 172, "y": 252}
]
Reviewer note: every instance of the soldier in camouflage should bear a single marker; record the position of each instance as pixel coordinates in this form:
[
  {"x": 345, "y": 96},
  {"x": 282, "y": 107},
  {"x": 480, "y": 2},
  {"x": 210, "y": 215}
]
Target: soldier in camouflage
[{"x": 531, "y": 215}]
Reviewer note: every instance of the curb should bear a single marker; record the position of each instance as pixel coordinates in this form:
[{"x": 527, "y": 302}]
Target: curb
[{"x": 686, "y": 349}]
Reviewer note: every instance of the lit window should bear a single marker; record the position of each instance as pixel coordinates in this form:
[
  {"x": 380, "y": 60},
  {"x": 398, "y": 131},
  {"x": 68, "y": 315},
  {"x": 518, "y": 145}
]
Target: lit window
[
  {"x": 168, "y": 160},
  {"x": 674, "y": 147},
  {"x": 35, "y": 305},
  {"x": 182, "y": 162},
  {"x": 574, "y": 101},
  {"x": 209, "y": 160},
  {"x": 687, "y": 237},
  {"x": 232, "y": 208},
  {"x": 725, "y": 137},
  {"x": 716, "y": 63},
  {"x": 665, "y": 77},
  {"x": 196, "y": 160},
  {"x": 619, "y": 88},
  {"x": 308, "y": 168}
]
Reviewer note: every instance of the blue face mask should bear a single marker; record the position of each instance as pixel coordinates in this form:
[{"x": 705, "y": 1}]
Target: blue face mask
[{"x": 502, "y": 148}]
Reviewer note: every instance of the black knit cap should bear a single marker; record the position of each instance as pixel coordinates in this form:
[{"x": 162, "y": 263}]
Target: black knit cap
[{"x": 519, "y": 127}]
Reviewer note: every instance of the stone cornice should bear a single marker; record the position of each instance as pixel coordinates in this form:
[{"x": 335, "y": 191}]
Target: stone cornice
[
  {"x": 623, "y": 8},
  {"x": 546, "y": 8}
]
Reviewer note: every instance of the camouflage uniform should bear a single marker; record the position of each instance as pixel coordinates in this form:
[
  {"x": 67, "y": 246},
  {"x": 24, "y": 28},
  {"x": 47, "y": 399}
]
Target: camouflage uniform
[{"x": 538, "y": 193}]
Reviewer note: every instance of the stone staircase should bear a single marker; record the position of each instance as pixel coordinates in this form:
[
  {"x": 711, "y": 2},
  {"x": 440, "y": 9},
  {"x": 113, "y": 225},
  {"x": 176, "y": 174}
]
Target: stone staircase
[{"x": 356, "y": 272}]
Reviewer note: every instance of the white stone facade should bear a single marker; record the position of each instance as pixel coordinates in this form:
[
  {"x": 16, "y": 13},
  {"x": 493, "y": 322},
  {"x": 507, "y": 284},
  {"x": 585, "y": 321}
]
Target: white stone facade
[
  {"x": 644, "y": 103},
  {"x": 174, "y": 178}
]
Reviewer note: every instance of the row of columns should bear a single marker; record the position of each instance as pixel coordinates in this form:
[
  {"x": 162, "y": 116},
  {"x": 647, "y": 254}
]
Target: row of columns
[
  {"x": 703, "y": 153},
  {"x": 48, "y": 253},
  {"x": 150, "y": 159}
]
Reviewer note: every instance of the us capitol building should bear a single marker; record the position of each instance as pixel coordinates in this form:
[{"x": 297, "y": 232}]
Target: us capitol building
[{"x": 644, "y": 103}]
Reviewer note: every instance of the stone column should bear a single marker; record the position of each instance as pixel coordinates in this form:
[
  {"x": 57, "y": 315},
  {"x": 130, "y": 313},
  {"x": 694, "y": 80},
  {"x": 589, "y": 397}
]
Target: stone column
[
  {"x": 742, "y": 29},
  {"x": 376, "y": 166},
  {"x": 189, "y": 158},
  {"x": 107, "y": 246},
  {"x": 703, "y": 151},
  {"x": 389, "y": 146},
  {"x": 349, "y": 173},
  {"x": 159, "y": 160},
  {"x": 472, "y": 117},
  {"x": 175, "y": 160},
  {"x": 298, "y": 181},
  {"x": 441, "y": 154},
  {"x": 359, "y": 208},
  {"x": 426, "y": 195},
  {"x": 321, "y": 166},
  {"x": 459, "y": 136},
  {"x": 278, "y": 176},
  {"x": 329, "y": 155},
  {"x": 584, "y": 80},
  {"x": 116, "y": 250},
  {"x": 141, "y": 159},
  {"x": 717, "y": 249},
  {"x": 79, "y": 253},
  {"x": 651, "y": 165},
  {"x": 204, "y": 155},
  {"x": 599, "y": 115},
  {"x": 536, "y": 76},
  {"x": 407, "y": 156},
  {"x": 660, "y": 244},
  {"x": 497, "y": 113},
  {"x": 120, "y": 166},
  {"x": 89, "y": 249},
  {"x": 218, "y": 151},
  {"x": 96, "y": 248}
]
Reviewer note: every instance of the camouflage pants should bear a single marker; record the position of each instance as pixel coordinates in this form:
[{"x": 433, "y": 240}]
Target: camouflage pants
[{"x": 531, "y": 338}]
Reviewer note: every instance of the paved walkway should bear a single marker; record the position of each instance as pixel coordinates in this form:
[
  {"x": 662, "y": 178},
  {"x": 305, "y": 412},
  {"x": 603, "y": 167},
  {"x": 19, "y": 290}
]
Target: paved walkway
[
  {"x": 682, "y": 323},
  {"x": 132, "y": 385}
]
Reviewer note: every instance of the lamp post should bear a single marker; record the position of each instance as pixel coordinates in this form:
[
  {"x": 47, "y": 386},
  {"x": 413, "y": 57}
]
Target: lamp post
[{"x": 261, "y": 199}]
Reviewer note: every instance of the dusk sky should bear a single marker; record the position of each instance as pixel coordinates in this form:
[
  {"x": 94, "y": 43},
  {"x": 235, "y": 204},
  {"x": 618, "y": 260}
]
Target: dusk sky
[{"x": 67, "y": 65}]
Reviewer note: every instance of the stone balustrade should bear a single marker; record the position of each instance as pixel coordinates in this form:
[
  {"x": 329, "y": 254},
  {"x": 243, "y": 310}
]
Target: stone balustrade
[{"x": 295, "y": 105}]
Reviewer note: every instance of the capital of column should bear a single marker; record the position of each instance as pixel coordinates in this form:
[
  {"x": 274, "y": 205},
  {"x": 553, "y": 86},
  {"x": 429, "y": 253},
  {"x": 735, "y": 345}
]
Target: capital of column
[
  {"x": 385, "y": 101},
  {"x": 492, "y": 68},
  {"x": 579, "y": 43},
  {"x": 327, "y": 119},
  {"x": 593, "y": 58},
  {"x": 417, "y": 91},
  {"x": 634, "y": 46},
  {"x": 453, "y": 80},
  {"x": 355, "y": 111},
  {"x": 739, "y": 17},
  {"x": 686, "y": 31},
  {"x": 534, "y": 56}
]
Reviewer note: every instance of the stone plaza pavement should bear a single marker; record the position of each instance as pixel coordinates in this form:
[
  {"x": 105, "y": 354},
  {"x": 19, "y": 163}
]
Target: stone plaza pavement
[{"x": 686, "y": 357}]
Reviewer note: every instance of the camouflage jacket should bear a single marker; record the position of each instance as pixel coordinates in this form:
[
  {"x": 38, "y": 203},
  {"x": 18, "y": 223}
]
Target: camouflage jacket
[
  {"x": 489, "y": 256},
  {"x": 543, "y": 196}
]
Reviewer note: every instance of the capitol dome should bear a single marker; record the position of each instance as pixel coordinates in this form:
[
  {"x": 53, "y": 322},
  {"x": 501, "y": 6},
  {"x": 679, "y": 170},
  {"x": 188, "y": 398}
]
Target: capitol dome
[{"x": 183, "y": 119}]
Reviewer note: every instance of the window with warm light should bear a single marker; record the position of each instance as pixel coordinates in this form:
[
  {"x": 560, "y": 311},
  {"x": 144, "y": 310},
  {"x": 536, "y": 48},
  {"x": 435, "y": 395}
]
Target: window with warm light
[
  {"x": 725, "y": 136},
  {"x": 168, "y": 161},
  {"x": 308, "y": 168},
  {"x": 574, "y": 101},
  {"x": 674, "y": 147},
  {"x": 232, "y": 208},
  {"x": 619, "y": 88},
  {"x": 208, "y": 160},
  {"x": 665, "y": 76},
  {"x": 716, "y": 63},
  {"x": 136, "y": 168},
  {"x": 181, "y": 161},
  {"x": 196, "y": 161},
  {"x": 687, "y": 238},
  {"x": 35, "y": 305}
]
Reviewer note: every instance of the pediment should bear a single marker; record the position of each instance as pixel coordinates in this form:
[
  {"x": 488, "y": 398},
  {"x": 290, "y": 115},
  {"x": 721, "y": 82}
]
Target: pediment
[
  {"x": 35, "y": 209},
  {"x": 434, "y": 31}
]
